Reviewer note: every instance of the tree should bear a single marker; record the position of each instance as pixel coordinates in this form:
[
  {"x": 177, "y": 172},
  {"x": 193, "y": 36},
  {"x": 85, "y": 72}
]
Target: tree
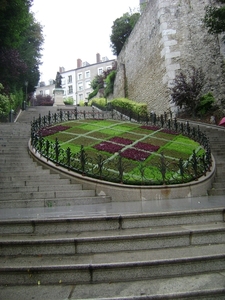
[
  {"x": 20, "y": 47},
  {"x": 187, "y": 88},
  {"x": 214, "y": 18},
  {"x": 121, "y": 29}
]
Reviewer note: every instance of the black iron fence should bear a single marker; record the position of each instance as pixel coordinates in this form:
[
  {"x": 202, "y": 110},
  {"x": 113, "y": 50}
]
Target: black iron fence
[{"x": 157, "y": 171}]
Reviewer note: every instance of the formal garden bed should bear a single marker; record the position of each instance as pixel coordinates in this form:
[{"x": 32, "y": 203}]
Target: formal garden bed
[{"x": 122, "y": 151}]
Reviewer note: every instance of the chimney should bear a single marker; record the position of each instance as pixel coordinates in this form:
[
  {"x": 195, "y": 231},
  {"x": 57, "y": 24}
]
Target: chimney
[
  {"x": 79, "y": 63},
  {"x": 98, "y": 58},
  {"x": 61, "y": 69}
]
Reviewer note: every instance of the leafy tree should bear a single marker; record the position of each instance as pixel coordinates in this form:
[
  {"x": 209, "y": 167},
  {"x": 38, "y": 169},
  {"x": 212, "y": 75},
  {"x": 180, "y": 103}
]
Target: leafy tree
[
  {"x": 214, "y": 18},
  {"x": 20, "y": 47},
  {"x": 121, "y": 30},
  {"x": 187, "y": 88}
]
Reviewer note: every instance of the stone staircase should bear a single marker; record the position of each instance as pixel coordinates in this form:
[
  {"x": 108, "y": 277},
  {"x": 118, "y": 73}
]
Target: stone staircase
[
  {"x": 178, "y": 255},
  {"x": 57, "y": 241},
  {"x": 217, "y": 142},
  {"x": 25, "y": 184}
]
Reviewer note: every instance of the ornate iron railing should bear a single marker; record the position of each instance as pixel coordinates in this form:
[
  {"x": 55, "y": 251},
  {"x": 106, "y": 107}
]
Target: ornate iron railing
[{"x": 119, "y": 169}]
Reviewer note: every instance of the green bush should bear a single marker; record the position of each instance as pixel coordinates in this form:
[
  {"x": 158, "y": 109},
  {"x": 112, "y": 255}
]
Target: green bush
[
  {"x": 205, "y": 104},
  {"x": 69, "y": 101},
  {"x": 128, "y": 105},
  {"x": 81, "y": 103},
  {"x": 4, "y": 102},
  {"x": 17, "y": 99},
  {"x": 92, "y": 94},
  {"x": 99, "y": 102},
  {"x": 110, "y": 83}
]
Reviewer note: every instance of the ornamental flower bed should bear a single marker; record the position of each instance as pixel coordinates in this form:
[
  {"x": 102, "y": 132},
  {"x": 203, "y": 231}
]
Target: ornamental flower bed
[
  {"x": 155, "y": 128},
  {"x": 141, "y": 152},
  {"x": 149, "y": 127},
  {"x": 120, "y": 140},
  {"x": 169, "y": 131},
  {"x": 135, "y": 154},
  {"x": 52, "y": 130},
  {"x": 108, "y": 147},
  {"x": 146, "y": 147}
]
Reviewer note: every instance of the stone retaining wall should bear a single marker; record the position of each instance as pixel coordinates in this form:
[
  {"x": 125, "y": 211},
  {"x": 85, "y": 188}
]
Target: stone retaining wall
[{"x": 169, "y": 37}]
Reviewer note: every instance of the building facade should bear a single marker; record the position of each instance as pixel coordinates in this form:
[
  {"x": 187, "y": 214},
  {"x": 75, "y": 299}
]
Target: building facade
[
  {"x": 76, "y": 83},
  {"x": 45, "y": 90}
]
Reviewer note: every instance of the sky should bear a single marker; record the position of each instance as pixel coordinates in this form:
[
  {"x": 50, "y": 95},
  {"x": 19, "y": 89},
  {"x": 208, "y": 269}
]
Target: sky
[{"x": 75, "y": 29}]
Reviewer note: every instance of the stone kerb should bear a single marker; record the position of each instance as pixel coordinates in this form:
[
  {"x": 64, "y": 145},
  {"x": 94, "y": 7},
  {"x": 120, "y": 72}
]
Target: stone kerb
[{"x": 119, "y": 192}]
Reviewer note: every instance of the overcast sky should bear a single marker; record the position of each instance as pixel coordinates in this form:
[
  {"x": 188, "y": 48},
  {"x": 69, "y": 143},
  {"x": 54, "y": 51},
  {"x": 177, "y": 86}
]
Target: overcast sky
[{"x": 76, "y": 29}]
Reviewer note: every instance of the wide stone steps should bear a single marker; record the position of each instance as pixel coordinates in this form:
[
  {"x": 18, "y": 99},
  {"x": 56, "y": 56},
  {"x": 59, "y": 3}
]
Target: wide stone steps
[
  {"x": 33, "y": 182},
  {"x": 25, "y": 184},
  {"x": 207, "y": 286},
  {"x": 33, "y": 202},
  {"x": 217, "y": 141},
  {"x": 112, "y": 241},
  {"x": 114, "y": 249},
  {"x": 47, "y": 194},
  {"x": 114, "y": 266},
  {"x": 38, "y": 188}
]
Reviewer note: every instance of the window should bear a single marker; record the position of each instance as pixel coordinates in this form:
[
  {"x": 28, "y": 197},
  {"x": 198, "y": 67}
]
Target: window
[
  {"x": 41, "y": 92},
  {"x": 69, "y": 79},
  {"x": 70, "y": 89},
  {"x": 108, "y": 68},
  {"x": 79, "y": 76},
  {"x": 47, "y": 92},
  {"x": 100, "y": 71},
  {"x": 87, "y": 74},
  {"x": 80, "y": 86},
  {"x": 80, "y": 96},
  {"x": 87, "y": 84}
]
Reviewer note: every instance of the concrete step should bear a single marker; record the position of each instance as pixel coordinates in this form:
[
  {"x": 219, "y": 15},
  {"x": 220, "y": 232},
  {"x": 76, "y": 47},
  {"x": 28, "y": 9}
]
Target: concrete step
[
  {"x": 6, "y": 169},
  {"x": 32, "y": 182},
  {"x": 111, "y": 222},
  {"x": 220, "y": 178},
  {"x": 39, "y": 188},
  {"x": 112, "y": 241},
  {"x": 217, "y": 191},
  {"x": 50, "y": 194},
  {"x": 29, "y": 176},
  {"x": 219, "y": 184},
  {"x": 114, "y": 266},
  {"x": 204, "y": 286},
  {"x": 79, "y": 198}
]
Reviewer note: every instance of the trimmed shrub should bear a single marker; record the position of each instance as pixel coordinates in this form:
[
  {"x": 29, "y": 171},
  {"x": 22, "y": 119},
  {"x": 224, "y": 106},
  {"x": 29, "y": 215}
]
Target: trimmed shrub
[{"x": 68, "y": 101}]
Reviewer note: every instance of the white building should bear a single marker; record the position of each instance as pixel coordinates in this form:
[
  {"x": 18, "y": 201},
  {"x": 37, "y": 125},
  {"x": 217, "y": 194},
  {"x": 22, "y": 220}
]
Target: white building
[
  {"x": 76, "y": 82},
  {"x": 45, "y": 90}
]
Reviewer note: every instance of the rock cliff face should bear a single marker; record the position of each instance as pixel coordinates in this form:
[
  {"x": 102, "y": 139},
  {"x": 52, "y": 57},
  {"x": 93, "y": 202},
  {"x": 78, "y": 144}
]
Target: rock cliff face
[{"x": 168, "y": 38}]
